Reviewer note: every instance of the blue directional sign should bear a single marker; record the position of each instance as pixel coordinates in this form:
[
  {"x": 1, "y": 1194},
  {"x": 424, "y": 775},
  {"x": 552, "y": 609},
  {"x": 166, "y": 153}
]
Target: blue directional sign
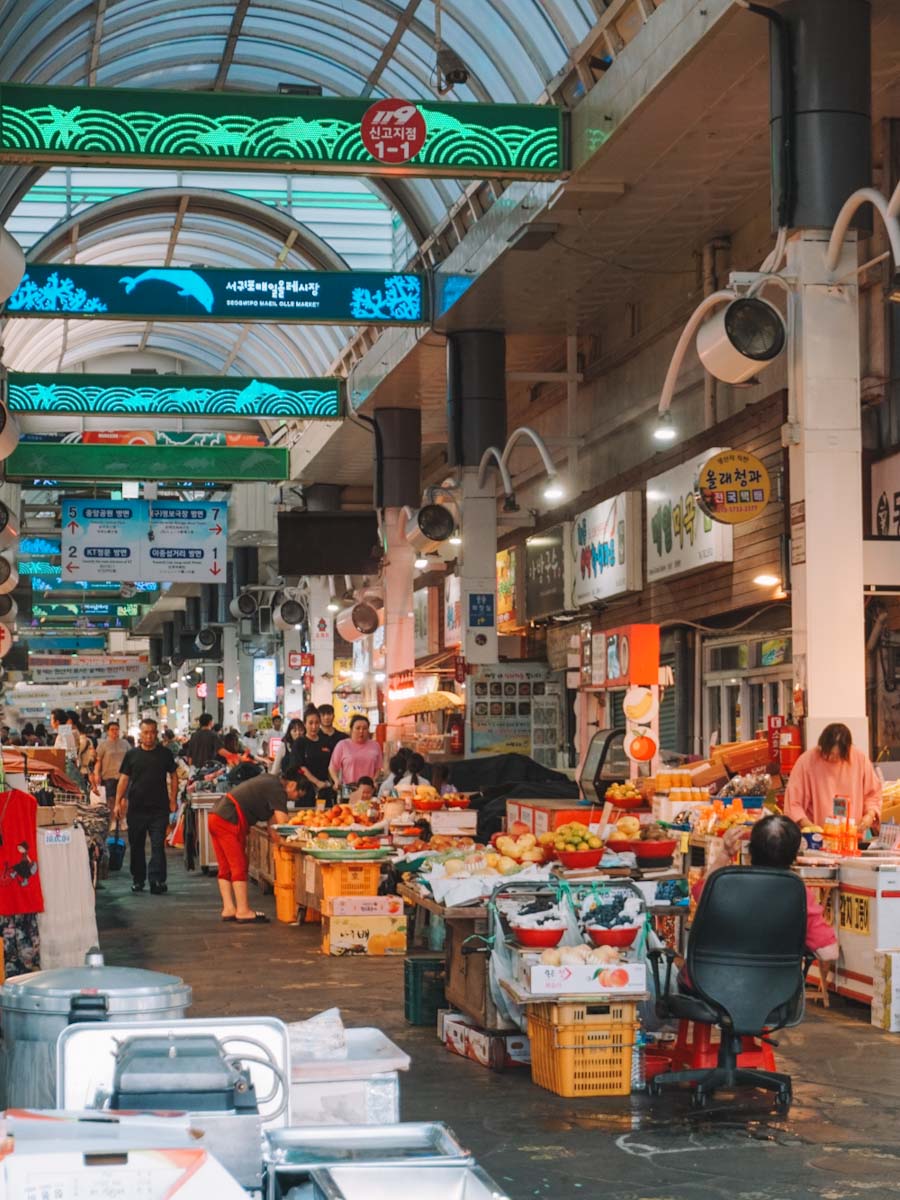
[{"x": 162, "y": 540}]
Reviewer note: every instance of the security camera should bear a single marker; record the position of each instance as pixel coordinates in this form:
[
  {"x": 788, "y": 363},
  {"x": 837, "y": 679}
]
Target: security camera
[
  {"x": 9, "y": 576},
  {"x": 452, "y": 67},
  {"x": 287, "y": 614},
  {"x": 740, "y": 339},
  {"x": 205, "y": 640},
  {"x": 430, "y": 525},
  {"x": 244, "y": 605}
]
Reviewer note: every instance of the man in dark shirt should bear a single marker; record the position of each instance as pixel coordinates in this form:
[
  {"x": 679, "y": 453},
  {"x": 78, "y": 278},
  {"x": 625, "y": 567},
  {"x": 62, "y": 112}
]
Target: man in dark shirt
[
  {"x": 203, "y": 745},
  {"x": 148, "y": 777},
  {"x": 329, "y": 735}
]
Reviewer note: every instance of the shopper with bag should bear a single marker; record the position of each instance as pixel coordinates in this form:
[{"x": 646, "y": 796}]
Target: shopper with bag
[
  {"x": 263, "y": 798},
  {"x": 111, "y": 750},
  {"x": 147, "y": 792}
]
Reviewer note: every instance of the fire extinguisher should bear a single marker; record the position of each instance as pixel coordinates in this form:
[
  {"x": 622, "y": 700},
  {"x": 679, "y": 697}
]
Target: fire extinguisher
[{"x": 457, "y": 729}]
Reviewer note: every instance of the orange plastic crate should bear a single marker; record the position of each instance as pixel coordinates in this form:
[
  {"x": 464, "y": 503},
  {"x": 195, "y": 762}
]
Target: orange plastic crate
[
  {"x": 582, "y": 1059},
  {"x": 585, "y": 1012},
  {"x": 349, "y": 879}
]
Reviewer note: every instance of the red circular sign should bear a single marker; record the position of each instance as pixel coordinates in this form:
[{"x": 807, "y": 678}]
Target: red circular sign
[{"x": 393, "y": 131}]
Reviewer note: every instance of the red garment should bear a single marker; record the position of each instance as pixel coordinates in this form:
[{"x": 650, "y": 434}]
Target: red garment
[
  {"x": 20, "y": 885},
  {"x": 229, "y": 841}
]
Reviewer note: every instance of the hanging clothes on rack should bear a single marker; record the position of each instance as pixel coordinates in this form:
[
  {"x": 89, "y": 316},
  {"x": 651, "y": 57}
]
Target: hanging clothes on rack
[{"x": 21, "y": 897}]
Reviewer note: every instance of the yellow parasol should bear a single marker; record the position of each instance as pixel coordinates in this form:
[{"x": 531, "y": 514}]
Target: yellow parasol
[{"x": 432, "y": 702}]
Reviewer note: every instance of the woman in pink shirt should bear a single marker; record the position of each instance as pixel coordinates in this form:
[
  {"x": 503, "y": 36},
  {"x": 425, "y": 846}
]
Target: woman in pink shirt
[
  {"x": 356, "y": 755},
  {"x": 833, "y": 769}
]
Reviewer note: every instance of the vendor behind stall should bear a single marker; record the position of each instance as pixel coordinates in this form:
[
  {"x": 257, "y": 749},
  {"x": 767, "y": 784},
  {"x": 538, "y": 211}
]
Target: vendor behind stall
[
  {"x": 357, "y": 755},
  {"x": 834, "y": 770},
  {"x": 263, "y": 798},
  {"x": 311, "y": 756}
]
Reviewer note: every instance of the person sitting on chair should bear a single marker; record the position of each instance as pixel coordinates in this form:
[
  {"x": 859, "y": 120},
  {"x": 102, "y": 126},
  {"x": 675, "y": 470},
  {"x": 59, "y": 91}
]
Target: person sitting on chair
[{"x": 774, "y": 843}]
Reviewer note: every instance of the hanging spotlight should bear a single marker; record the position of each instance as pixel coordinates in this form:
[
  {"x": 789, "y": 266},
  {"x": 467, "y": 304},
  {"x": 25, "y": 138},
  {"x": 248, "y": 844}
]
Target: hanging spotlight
[
  {"x": 244, "y": 605},
  {"x": 288, "y": 614},
  {"x": 430, "y": 525},
  {"x": 9, "y": 576},
  {"x": 358, "y": 621},
  {"x": 205, "y": 641},
  {"x": 740, "y": 339},
  {"x": 554, "y": 490}
]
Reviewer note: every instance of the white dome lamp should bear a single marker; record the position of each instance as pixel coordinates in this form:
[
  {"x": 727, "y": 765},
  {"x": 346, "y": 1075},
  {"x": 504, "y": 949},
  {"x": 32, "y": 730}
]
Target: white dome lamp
[{"x": 741, "y": 339}]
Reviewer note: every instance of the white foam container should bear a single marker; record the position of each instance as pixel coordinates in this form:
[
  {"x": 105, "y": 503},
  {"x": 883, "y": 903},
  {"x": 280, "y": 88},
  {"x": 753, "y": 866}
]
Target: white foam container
[{"x": 361, "y": 1089}]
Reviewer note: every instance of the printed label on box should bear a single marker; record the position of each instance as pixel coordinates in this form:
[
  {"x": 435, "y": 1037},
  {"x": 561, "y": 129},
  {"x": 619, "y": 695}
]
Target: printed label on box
[
  {"x": 623, "y": 979},
  {"x": 364, "y": 935},
  {"x": 364, "y": 906}
]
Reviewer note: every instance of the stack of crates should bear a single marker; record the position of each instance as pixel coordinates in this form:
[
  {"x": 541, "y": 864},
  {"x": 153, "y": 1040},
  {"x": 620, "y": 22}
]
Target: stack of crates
[
  {"x": 582, "y": 1049},
  {"x": 366, "y": 923},
  {"x": 285, "y": 862}
]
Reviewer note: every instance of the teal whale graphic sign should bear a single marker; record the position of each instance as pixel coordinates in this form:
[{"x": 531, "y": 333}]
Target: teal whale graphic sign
[
  {"x": 106, "y": 126},
  {"x": 181, "y": 395},
  {"x": 217, "y": 294}
]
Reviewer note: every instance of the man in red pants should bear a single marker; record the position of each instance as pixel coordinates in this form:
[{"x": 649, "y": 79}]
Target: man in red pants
[{"x": 263, "y": 798}]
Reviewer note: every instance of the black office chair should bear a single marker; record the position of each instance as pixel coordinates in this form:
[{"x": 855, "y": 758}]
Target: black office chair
[{"x": 745, "y": 971}]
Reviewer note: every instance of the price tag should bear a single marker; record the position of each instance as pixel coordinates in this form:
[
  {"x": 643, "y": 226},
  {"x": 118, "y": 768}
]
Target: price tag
[{"x": 57, "y": 837}]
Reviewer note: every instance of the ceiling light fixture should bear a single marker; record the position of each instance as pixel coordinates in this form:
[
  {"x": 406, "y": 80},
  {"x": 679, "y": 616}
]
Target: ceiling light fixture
[
  {"x": 765, "y": 580},
  {"x": 665, "y": 430},
  {"x": 554, "y": 490}
]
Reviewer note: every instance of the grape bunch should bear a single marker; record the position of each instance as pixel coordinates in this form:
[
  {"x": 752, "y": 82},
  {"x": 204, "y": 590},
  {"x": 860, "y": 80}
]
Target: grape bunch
[{"x": 670, "y": 890}]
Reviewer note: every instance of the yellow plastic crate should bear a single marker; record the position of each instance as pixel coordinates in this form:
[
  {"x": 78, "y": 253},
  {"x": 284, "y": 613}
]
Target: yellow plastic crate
[
  {"x": 585, "y": 1012},
  {"x": 581, "y": 1059},
  {"x": 349, "y": 879}
]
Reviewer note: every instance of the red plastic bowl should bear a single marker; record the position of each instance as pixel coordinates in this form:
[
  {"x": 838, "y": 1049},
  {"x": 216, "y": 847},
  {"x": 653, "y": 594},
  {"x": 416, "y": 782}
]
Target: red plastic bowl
[
  {"x": 643, "y": 851},
  {"x": 612, "y": 937},
  {"x": 579, "y": 860},
  {"x": 622, "y": 846},
  {"x": 457, "y": 801},
  {"x": 538, "y": 939},
  {"x": 628, "y": 803},
  {"x": 422, "y": 805}
]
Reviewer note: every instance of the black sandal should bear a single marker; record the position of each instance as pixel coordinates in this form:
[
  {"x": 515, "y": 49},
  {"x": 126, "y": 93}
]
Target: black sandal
[{"x": 259, "y": 918}]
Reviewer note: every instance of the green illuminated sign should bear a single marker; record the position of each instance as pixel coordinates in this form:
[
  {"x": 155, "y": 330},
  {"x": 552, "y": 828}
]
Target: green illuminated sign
[
  {"x": 217, "y": 294},
  {"x": 58, "y": 461},
  {"x": 182, "y": 395},
  {"x": 296, "y": 133},
  {"x": 86, "y": 609}
]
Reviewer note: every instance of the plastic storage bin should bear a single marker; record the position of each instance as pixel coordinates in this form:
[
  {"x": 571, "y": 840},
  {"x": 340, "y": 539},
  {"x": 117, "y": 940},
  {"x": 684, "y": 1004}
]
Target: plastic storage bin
[
  {"x": 361, "y": 1089},
  {"x": 590, "y": 1055},
  {"x": 423, "y": 988}
]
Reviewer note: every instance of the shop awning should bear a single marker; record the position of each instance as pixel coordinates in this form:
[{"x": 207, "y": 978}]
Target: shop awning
[{"x": 431, "y": 702}]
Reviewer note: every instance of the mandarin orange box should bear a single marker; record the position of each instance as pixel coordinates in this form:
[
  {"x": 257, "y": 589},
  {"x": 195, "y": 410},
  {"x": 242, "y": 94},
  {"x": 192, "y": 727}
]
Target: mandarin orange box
[{"x": 377, "y": 936}]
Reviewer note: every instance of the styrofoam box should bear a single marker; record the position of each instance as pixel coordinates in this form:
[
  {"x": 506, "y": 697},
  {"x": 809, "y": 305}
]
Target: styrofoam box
[
  {"x": 886, "y": 990},
  {"x": 361, "y": 1089},
  {"x": 454, "y": 821},
  {"x": 364, "y": 906}
]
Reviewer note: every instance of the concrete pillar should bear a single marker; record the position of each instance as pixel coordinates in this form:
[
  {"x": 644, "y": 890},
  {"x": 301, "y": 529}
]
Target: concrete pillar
[
  {"x": 321, "y": 638},
  {"x": 824, "y": 436},
  {"x": 211, "y": 679},
  {"x": 231, "y": 706},
  {"x": 476, "y": 419},
  {"x": 294, "y": 700},
  {"x": 398, "y": 484},
  {"x": 245, "y": 686}
]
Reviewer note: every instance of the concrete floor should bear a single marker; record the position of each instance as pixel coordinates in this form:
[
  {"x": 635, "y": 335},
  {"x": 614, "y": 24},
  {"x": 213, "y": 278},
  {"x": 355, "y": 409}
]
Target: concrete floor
[{"x": 840, "y": 1141}]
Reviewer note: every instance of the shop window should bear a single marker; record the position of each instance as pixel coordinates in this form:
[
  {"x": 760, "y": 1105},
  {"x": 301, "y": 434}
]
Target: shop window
[
  {"x": 734, "y": 657},
  {"x": 771, "y": 652}
]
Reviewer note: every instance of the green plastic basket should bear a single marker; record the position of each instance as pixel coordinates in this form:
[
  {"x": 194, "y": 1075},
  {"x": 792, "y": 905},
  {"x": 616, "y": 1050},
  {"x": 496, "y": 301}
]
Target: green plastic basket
[{"x": 423, "y": 988}]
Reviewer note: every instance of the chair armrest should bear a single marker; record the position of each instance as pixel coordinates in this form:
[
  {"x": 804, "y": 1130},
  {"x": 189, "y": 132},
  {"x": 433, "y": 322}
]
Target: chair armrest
[{"x": 655, "y": 956}]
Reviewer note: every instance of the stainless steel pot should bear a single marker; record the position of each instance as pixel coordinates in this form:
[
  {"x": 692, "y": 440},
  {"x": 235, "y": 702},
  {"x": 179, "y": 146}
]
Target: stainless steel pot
[{"x": 35, "y": 1009}]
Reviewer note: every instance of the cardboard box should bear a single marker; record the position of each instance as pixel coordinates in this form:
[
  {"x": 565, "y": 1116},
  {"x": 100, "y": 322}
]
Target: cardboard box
[
  {"x": 666, "y": 809},
  {"x": 461, "y": 821},
  {"x": 364, "y": 906},
  {"x": 449, "y": 1014},
  {"x": 886, "y": 990},
  {"x": 39, "y": 757},
  {"x": 496, "y": 1051},
  {"x": 183, "y": 1174},
  {"x": 364, "y": 935},
  {"x": 57, "y": 814},
  {"x": 630, "y": 979},
  {"x": 542, "y": 816}
]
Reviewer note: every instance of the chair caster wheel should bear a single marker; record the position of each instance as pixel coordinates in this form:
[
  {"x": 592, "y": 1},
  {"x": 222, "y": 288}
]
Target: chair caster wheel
[
  {"x": 654, "y": 1088},
  {"x": 699, "y": 1100},
  {"x": 783, "y": 1098}
]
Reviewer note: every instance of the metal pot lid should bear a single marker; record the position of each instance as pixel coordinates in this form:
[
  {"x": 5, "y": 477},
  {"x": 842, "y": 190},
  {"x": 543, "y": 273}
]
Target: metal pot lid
[{"x": 127, "y": 988}]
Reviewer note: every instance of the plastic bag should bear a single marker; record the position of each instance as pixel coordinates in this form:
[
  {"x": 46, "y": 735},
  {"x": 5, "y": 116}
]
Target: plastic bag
[{"x": 322, "y": 1036}]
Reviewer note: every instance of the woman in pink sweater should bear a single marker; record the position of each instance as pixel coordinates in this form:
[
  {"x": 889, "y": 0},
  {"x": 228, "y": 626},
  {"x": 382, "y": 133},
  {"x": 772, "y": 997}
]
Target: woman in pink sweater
[{"x": 833, "y": 768}]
